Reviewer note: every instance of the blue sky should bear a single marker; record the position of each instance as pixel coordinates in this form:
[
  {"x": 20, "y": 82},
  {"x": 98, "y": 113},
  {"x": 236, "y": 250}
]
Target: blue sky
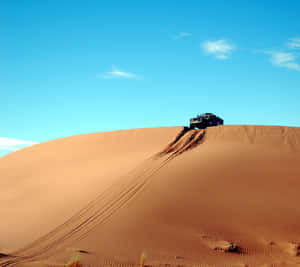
[{"x": 70, "y": 67}]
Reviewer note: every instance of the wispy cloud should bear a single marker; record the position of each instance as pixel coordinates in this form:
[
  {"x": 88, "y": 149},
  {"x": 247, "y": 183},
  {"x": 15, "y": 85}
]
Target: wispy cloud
[
  {"x": 117, "y": 74},
  {"x": 11, "y": 144},
  {"x": 221, "y": 49},
  {"x": 294, "y": 43},
  {"x": 181, "y": 35},
  {"x": 284, "y": 59}
]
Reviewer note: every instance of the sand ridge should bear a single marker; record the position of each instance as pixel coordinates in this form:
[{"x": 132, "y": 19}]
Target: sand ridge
[{"x": 212, "y": 197}]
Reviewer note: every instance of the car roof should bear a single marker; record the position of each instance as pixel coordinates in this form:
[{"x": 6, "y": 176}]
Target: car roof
[{"x": 207, "y": 114}]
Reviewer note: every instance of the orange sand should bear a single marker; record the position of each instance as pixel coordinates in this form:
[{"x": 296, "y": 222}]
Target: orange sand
[{"x": 226, "y": 196}]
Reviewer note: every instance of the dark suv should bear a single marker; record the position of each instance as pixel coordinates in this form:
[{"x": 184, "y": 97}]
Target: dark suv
[{"x": 205, "y": 120}]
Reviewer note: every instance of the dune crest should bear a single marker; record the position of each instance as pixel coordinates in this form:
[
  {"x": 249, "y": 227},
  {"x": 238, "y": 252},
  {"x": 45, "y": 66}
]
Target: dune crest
[{"x": 224, "y": 195}]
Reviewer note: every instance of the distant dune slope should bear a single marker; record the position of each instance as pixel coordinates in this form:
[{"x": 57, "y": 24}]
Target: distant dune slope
[{"x": 113, "y": 195}]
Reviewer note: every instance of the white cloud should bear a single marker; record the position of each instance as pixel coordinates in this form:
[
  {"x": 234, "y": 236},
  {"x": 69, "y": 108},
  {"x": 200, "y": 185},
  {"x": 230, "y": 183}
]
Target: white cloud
[
  {"x": 294, "y": 43},
  {"x": 181, "y": 35},
  {"x": 14, "y": 144},
  {"x": 221, "y": 49},
  {"x": 285, "y": 60},
  {"x": 117, "y": 74}
]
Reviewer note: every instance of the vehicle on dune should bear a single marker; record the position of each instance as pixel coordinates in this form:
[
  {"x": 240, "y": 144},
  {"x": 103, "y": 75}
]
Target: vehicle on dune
[{"x": 205, "y": 120}]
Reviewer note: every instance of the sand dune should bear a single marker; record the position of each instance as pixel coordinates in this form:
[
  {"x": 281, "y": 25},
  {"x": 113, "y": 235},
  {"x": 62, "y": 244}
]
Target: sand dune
[{"x": 224, "y": 196}]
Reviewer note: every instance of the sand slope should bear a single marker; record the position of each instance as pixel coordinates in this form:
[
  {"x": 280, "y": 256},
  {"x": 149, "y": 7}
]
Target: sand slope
[{"x": 226, "y": 196}]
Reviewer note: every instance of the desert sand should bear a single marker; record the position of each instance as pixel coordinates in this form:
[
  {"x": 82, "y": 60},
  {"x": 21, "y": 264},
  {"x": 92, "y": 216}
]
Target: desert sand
[{"x": 224, "y": 196}]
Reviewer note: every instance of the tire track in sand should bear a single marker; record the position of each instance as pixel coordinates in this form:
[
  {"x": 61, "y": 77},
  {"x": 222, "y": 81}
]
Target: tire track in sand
[{"x": 106, "y": 204}]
